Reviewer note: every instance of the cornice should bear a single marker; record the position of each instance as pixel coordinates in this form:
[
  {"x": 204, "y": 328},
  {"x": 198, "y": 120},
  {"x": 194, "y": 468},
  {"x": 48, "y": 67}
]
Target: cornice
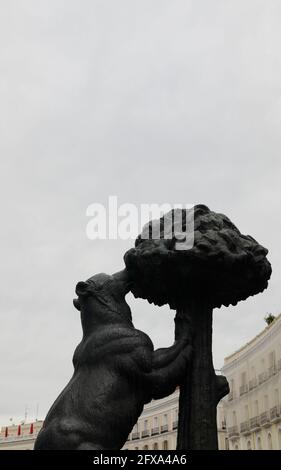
[{"x": 256, "y": 343}]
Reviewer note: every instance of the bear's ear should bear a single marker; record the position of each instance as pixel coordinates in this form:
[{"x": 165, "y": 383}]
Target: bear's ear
[{"x": 81, "y": 288}]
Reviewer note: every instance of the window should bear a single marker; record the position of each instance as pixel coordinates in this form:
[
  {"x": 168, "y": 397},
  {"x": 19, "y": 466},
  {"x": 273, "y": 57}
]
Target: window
[
  {"x": 249, "y": 446},
  {"x": 165, "y": 419},
  {"x": 271, "y": 359},
  {"x": 256, "y": 408},
  {"x": 145, "y": 448},
  {"x": 243, "y": 379},
  {"x": 276, "y": 398},
  {"x": 253, "y": 372},
  {"x": 269, "y": 441},
  {"x": 246, "y": 411},
  {"x": 259, "y": 446},
  {"x": 145, "y": 425},
  {"x": 155, "y": 446},
  {"x": 234, "y": 418},
  {"x": 155, "y": 422},
  {"x": 265, "y": 402},
  {"x": 165, "y": 445}
]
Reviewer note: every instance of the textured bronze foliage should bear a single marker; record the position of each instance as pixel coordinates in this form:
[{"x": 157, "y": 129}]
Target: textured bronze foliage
[{"x": 223, "y": 264}]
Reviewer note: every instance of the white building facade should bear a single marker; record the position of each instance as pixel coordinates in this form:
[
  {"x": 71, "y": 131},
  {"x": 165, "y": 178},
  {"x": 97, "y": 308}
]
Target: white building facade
[
  {"x": 156, "y": 428},
  {"x": 19, "y": 437},
  {"x": 252, "y": 408}
]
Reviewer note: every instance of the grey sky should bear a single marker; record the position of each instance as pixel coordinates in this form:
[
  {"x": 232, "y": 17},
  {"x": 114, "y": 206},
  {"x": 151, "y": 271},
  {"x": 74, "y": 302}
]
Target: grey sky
[{"x": 152, "y": 101}]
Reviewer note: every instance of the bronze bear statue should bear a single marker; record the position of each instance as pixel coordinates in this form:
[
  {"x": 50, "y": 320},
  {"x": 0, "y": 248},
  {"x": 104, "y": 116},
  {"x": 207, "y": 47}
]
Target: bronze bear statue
[{"x": 116, "y": 371}]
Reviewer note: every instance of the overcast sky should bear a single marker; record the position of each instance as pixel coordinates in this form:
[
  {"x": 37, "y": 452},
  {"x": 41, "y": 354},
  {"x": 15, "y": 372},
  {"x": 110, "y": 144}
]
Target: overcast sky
[{"x": 152, "y": 101}]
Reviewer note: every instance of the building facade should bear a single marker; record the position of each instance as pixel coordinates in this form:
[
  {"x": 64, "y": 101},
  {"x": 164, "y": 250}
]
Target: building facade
[
  {"x": 19, "y": 437},
  {"x": 249, "y": 418},
  {"x": 156, "y": 428},
  {"x": 252, "y": 408}
]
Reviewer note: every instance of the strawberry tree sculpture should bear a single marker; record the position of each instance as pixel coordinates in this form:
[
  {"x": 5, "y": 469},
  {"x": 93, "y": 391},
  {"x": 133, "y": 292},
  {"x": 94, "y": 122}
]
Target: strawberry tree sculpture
[{"x": 221, "y": 267}]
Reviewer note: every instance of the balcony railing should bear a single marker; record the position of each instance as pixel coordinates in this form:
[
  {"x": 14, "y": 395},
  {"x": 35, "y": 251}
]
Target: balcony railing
[
  {"x": 155, "y": 431},
  {"x": 135, "y": 435},
  {"x": 272, "y": 371},
  {"x": 245, "y": 426},
  {"x": 264, "y": 418},
  {"x": 233, "y": 431},
  {"x": 164, "y": 428},
  {"x": 175, "y": 424},
  {"x": 274, "y": 413},
  {"x": 252, "y": 384},
  {"x": 145, "y": 433},
  {"x": 255, "y": 422},
  {"x": 243, "y": 389}
]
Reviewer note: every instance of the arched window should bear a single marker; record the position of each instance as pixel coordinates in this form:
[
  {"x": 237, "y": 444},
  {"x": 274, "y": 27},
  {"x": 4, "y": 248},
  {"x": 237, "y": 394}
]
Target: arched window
[
  {"x": 249, "y": 446},
  {"x": 136, "y": 448},
  {"x": 145, "y": 448},
  {"x": 279, "y": 438},
  {"x": 236, "y": 447},
  {"x": 165, "y": 445},
  {"x": 155, "y": 446},
  {"x": 259, "y": 446},
  {"x": 269, "y": 441}
]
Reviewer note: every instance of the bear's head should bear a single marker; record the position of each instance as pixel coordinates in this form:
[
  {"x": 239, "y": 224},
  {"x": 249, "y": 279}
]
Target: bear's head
[{"x": 101, "y": 300}]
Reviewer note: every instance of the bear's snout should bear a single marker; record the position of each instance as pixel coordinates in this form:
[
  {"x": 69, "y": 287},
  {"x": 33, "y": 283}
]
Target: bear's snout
[{"x": 77, "y": 304}]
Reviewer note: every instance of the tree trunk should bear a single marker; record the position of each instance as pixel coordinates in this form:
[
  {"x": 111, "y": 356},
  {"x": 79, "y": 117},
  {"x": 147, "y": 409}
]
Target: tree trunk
[{"x": 201, "y": 390}]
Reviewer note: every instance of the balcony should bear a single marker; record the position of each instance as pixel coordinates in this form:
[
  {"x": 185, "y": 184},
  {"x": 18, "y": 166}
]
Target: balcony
[
  {"x": 262, "y": 377},
  {"x": 164, "y": 428},
  {"x": 145, "y": 433},
  {"x": 233, "y": 432},
  {"x": 253, "y": 384},
  {"x": 245, "y": 427},
  {"x": 175, "y": 424},
  {"x": 243, "y": 389},
  {"x": 135, "y": 435},
  {"x": 264, "y": 419},
  {"x": 254, "y": 423},
  {"x": 155, "y": 431},
  {"x": 275, "y": 414}
]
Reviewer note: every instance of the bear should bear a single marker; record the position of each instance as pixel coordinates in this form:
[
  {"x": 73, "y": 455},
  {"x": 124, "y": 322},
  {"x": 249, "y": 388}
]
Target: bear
[{"x": 116, "y": 371}]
